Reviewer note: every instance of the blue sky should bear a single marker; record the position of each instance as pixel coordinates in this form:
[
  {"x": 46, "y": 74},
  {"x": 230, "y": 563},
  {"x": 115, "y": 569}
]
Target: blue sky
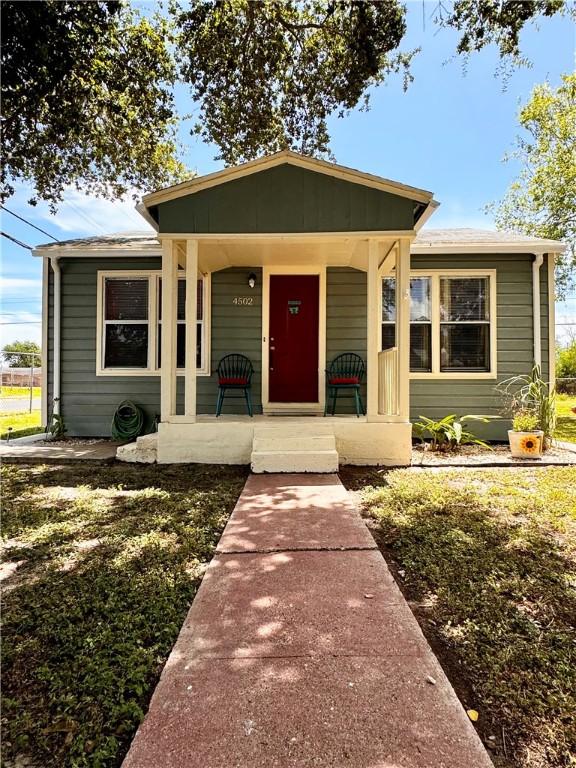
[{"x": 448, "y": 133}]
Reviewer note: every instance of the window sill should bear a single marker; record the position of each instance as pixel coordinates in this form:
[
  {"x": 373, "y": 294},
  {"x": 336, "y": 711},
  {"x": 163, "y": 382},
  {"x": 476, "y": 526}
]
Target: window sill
[{"x": 464, "y": 376}]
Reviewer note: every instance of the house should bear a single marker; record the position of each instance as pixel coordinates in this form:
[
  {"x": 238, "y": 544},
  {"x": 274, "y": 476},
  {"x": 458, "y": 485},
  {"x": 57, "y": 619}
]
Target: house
[{"x": 292, "y": 261}]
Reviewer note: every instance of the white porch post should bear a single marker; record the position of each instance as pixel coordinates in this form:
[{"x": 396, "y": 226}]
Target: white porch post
[
  {"x": 374, "y": 325},
  {"x": 169, "y": 308},
  {"x": 191, "y": 310},
  {"x": 403, "y": 327}
]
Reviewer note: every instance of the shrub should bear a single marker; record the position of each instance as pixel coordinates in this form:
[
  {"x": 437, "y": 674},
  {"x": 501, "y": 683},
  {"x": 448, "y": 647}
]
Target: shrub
[{"x": 449, "y": 433}]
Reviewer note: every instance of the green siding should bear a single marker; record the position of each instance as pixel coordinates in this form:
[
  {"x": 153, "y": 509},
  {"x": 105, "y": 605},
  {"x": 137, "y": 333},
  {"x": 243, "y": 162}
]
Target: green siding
[
  {"x": 346, "y": 324},
  {"x": 88, "y": 401},
  {"x": 437, "y": 398},
  {"x": 286, "y": 198},
  {"x": 235, "y": 328}
]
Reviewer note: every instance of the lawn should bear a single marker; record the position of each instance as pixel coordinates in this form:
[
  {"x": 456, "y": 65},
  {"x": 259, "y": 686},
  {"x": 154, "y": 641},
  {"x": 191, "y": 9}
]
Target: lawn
[
  {"x": 21, "y": 423},
  {"x": 566, "y": 418},
  {"x": 488, "y": 562},
  {"x": 102, "y": 567},
  {"x": 20, "y": 391}
]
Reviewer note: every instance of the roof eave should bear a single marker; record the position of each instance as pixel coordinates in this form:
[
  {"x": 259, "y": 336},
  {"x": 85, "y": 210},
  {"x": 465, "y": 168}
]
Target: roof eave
[{"x": 200, "y": 183}]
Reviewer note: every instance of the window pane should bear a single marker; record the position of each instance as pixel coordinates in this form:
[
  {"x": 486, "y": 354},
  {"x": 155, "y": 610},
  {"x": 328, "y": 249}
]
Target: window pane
[
  {"x": 199, "y": 299},
  {"x": 198, "y": 345},
  {"x": 420, "y": 299},
  {"x": 388, "y": 335},
  {"x": 463, "y": 298},
  {"x": 464, "y": 348},
  {"x": 389, "y": 299},
  {"x": 126, "y": 299},
  {"x": 126, "y": 346},
  {"x": 421, "y": 347}
]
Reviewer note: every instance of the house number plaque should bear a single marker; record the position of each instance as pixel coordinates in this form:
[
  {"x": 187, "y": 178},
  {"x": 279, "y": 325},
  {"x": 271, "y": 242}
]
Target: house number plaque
[{"x": 243, "y": 301}]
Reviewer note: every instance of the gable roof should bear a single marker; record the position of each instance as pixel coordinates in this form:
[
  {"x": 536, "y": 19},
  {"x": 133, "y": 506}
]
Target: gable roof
[{"x": 286, "y": 157}]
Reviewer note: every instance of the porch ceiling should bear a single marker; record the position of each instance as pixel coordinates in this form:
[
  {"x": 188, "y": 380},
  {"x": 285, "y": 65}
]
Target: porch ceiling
[{"x": 333, "y": 251}]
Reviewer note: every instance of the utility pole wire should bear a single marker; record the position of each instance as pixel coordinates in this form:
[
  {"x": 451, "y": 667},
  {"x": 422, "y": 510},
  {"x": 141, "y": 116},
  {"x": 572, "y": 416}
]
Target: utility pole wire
[
  {"x": 14, "y": 240},
  {"x": 29, "y": 223}
]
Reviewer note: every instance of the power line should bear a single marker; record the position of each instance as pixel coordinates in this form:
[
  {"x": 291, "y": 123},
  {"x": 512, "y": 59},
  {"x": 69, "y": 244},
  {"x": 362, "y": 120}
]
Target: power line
[
  {"x": 24, "y": 322},
  {"x": 29, "y": 223},
  {"x": 14, "y": 240}
]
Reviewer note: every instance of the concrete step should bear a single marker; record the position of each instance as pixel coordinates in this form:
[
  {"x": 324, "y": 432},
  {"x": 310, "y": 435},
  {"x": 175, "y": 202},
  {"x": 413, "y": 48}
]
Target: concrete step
[
  {"x": 295, "y": 461},
  {"x": 274, "y": 442},
  {"x": 289, "y": 429}
]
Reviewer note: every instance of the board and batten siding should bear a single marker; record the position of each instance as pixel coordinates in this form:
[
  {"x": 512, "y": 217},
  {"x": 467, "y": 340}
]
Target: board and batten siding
[
  {"x": 346, "y": 322},
  {"x": 436, "y": 398},
  {"x": 286, "y": 198}
]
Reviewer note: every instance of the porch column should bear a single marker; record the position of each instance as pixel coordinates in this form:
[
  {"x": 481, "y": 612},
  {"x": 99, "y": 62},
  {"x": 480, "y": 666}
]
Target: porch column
[
  {"x": 169, "y": 308},
  {"x": 403, "y": 327},
  {"x": 191, "y": 310},
  {"x": 374, "y": 325}
]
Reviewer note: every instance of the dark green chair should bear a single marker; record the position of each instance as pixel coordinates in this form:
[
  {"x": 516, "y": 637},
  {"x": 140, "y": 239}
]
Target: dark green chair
[
  {"x": 345, "y": 375},
  {"x": 235, "y": 374}
]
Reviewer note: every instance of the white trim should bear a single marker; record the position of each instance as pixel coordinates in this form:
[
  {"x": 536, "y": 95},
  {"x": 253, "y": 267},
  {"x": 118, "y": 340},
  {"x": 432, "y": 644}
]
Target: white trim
[
  {"x": 536, "y": 314},
  {"x": 403, "y": 328},
  {"x": 267, "y": 405},
  {"x": 426, "y": 214},
  {"x": 273, "y": 237},
  {"x": 285, "y": 157},
  {"x": 44, "y": 351},
  {"x": 551, "y": 320},
  {"x": 153, "y": 321},
  {"x": 57, "y": 335},
  {"x": 373, "y": 303},
  {"x": 168, "y": 330},
  {"x": 435, "y": 275},
  {"x": 191, "y": 315}
]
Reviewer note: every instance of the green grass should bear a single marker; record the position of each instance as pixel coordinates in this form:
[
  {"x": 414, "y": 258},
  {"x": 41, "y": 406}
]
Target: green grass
[
  {"x": 566, "y": 419},
  {"x": 489, "y": 560},
  {"x": 20, "y": 391},
  {"x": 21, "y": 423},
  {"x": 110, "y": 561}
]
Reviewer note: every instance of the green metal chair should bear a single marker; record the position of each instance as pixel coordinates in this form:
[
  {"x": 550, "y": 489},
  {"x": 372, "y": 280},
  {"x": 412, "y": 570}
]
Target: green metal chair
[
  {"x": 345, "y": 375},
  {"x": 234, "y": 373}
]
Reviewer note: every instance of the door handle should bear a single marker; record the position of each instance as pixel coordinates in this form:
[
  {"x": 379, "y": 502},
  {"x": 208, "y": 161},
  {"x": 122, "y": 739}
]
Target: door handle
[{"x": 271, "y": 358}]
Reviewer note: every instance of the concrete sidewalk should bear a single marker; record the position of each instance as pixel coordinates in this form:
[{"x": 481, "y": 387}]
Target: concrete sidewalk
[{"x": 299, "y": 650}]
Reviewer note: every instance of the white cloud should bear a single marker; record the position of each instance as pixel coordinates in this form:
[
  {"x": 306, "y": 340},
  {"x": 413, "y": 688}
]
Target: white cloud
[
  {"x": 85, "y": 214},
  {"x": 79, "y": 214},
  {"x": 25, "y": 285}
]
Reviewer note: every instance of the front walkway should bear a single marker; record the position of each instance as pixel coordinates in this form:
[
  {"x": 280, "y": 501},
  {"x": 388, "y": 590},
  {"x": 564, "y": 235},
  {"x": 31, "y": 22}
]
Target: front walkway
[{"x": 299, "y": 650}]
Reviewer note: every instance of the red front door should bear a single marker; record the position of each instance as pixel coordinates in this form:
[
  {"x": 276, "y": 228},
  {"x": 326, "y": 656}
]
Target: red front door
[{"x": 293, "y": 338}]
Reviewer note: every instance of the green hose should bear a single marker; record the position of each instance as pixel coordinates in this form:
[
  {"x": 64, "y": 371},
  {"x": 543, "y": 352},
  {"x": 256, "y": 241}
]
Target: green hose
[{"x": 128, "y": 421}]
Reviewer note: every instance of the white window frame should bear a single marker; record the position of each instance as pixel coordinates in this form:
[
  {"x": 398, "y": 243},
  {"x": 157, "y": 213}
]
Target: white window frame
[
  {"x": 435, "y": 275},
  {"x": 153, "y": 322}
]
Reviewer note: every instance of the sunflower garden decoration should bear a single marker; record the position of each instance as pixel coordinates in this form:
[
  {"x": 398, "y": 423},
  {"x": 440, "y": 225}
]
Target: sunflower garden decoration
[
  {"x": 530, "y": 402},
  {"x": 526, "y": 440}
]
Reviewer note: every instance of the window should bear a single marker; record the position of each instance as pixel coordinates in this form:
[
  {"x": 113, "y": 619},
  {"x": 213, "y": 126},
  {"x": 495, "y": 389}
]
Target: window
[
  {"x": 126, "y": 323},
  {"x": 420, "y": 320},
  {"x": 452, "y": 323},
  {"x": 130, "y": 307},
  {"x": 464, "y": 324}
]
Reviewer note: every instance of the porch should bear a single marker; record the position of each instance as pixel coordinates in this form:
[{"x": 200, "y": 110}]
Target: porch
[{"x": 291, "y": 433}]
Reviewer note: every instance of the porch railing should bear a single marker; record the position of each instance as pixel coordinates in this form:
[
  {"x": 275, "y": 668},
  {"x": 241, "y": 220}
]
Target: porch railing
[{"x": 388, "y": 382}]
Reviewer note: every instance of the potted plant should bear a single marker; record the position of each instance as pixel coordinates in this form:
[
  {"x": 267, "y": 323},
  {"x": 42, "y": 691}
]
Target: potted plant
[
  {"x": 526, "y": 439},
  {"x": 530, "y": 399}
]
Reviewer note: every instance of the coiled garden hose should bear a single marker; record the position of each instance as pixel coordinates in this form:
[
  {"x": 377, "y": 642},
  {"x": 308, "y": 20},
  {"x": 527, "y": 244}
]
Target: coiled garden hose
[{"x": 128, "y": 421}]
